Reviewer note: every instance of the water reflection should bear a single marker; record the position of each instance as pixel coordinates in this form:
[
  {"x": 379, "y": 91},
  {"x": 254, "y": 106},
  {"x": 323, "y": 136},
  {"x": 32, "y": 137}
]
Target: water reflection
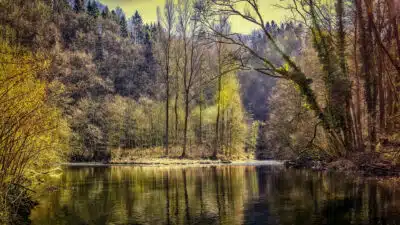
[{"x": 226, "y": 195}]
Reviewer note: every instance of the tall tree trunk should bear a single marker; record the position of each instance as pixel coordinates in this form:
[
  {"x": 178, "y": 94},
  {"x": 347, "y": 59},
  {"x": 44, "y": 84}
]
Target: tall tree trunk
[
  {"x": 176, "y": 108},
  {"x": 396, "y": 89},
  {"x": 396, "y": 34},
  {"x": 366, "y": 52},
  {"x": 200, "y": 140},
  {"x": 186, "y": 97},
  {"x": 166, "y": 141},
  {"x": 382, "y": 113},
  {"x": 371, "y": 80},
  {"x": 217, "y": 139},
  {"x": 201, "y": 120},
  {"x": 380, "y": 78},
  {"x": 349, "y": 137},
  {"x": 357, "y": 110},
  {"x": 222, "y": 133},
  {"x": 390, "y": 111},
  {"x": 185, "y": 128},
  {"x": 335, "y": 115}
]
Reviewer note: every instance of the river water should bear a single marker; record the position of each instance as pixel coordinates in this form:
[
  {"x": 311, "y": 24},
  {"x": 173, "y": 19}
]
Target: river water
[{"x": 223, "y": 195}]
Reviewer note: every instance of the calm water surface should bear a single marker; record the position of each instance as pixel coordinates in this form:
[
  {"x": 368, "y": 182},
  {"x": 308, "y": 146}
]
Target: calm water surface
[{"x": 223, "y": 195}]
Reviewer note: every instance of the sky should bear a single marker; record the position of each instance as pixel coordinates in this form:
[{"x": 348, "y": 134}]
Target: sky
[{"x": 148, "y": 11}]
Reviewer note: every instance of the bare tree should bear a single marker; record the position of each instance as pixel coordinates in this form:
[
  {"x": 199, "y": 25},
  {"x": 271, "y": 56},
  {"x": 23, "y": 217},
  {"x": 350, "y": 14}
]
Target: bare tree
[
  {"x": 192, "y": 56},
  {"x": 166, "y": 26},
  {"x": 224, "y": 64},
  {"x": 249, "y": 10}
]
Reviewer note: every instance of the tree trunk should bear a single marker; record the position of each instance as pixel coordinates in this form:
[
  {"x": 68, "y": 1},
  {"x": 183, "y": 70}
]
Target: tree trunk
[
  {"x": 186, "y": 92},
  {"x": 382, "y": 111},
  {"x": 185, "y": 124},
  {"x": 371, "y": 89},
  {"x": 217, "y": 140},
  {"x": 166, "y": 141},
  {"x": 357, "y": 108},
  {"x": 347, "y": 128},
  {"x": 201, "y": 120},
  {"x": 176, "y": 109},
  {"x": 366, "y": 52}
]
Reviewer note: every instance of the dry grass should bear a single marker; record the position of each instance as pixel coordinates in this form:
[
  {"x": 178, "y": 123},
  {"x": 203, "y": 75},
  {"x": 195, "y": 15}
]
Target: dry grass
[
  {"x": 390, "y": 183},
  {"x": 195, "y": 155}
]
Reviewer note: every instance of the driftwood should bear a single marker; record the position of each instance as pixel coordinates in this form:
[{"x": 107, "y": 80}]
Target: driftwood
[
  {"x": 363, "y": 163},
  {"x": 380, "y": 169},
  {"x": 305, "y": 163}
]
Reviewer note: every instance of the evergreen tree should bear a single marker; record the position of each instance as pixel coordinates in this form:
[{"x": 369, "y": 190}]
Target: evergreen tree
[
  {"x": 114, "y": 16},
  {"x": 146, "y": 34},
  {"x": 137, "y": 23},
  {"x": 105, "y": 13},
  {"x": 92, "y": 9},
  {"x": 95, "y": 9},
  {"x": 89, "y": 7},
  {"x": 137, "y": 19},
  {"x": 78, "y": 6},
  {"x": 123, "y": 27}
]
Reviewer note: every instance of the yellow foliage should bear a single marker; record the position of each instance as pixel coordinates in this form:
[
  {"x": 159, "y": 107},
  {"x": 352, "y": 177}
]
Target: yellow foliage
[
  {"x": 32, "y": 133},
  {"x": 233, "y": 115},
  {"x": 230, "y": 92}
]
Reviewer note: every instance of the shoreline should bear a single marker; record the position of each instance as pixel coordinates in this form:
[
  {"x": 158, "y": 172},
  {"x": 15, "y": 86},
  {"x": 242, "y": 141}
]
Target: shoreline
[
  {"x": 340, "y": 166},
  {"x": 179, "y": 162},
  {"x": 343, "y": 165}
]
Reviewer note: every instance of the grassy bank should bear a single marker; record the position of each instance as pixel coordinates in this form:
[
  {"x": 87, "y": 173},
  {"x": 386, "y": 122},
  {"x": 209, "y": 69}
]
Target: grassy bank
[
  {"x": 195, "y": 155},
  {"x": 169, "y": 161}
]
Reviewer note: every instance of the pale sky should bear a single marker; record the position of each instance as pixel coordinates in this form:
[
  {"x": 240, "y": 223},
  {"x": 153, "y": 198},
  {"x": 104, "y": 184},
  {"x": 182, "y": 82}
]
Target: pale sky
[{"x": 148, "y": 10}]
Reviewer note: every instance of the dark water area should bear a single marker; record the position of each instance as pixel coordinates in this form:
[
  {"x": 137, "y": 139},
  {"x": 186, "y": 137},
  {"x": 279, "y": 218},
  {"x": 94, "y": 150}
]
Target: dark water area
[{"x": 220, "y": 195}]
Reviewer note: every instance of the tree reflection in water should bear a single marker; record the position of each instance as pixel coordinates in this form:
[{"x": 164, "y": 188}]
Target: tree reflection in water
[{"x": 223, "y": 195}]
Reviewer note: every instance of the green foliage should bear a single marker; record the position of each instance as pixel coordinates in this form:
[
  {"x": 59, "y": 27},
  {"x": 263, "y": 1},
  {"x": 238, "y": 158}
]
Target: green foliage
[
  {"x": 252, "y": 136},
  {"x": 233, "y": 126}
]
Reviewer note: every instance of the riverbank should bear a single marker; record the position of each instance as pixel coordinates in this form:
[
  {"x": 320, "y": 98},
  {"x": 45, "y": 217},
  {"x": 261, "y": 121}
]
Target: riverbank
[
  {"x": 366, "y": 164},
  {"x": 157, "y": 155},
  {"x": 195, "y": 156},
  {"x": 179, "y": 162}
]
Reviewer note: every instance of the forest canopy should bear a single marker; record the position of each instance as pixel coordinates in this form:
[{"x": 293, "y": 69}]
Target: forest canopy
[{"x": 81, "y": 82}]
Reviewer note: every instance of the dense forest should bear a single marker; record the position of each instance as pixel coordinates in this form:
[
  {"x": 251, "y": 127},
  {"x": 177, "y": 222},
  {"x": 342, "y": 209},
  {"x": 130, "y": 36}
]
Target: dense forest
[{"x": 80, "y": 82}]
